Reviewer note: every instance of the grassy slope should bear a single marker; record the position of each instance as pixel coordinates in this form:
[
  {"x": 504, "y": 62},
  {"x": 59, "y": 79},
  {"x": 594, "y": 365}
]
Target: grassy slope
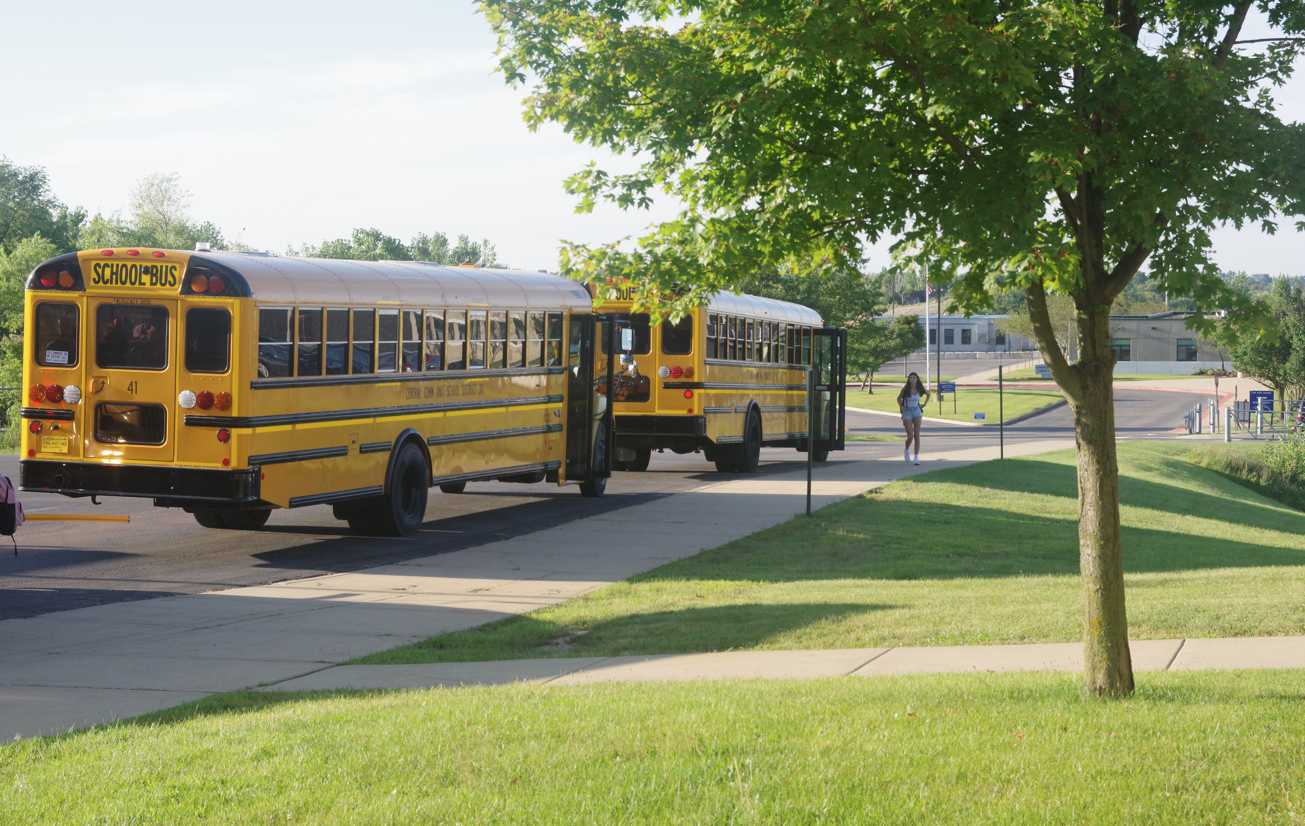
[
  {"x": 1208, "y": 747},
  {"x": 977, "y": 555},
  {"x": 968, "y": 400}
]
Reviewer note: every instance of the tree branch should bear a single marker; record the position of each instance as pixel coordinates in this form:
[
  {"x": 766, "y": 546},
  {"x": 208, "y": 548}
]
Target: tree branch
[
  {"x": 1234, "y": 29},
  {"x": 1271, "y": 40},
  {"x": 1044, "y": 335}
]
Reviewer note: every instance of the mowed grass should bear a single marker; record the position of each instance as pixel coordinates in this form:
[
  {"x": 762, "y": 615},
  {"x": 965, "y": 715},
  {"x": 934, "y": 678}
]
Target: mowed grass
[
  {"x": 1207, "y": 747},
  {"x": 968, "y": 401},
  {"x": 983, "y": 554}
]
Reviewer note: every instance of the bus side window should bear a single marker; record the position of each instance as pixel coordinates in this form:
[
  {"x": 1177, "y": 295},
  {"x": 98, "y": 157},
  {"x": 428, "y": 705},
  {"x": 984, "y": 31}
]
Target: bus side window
[
  {"x": 517, "y": 340},
  {"x": 554, "y": 341},
  {"x": 794, "y": 345},
  {"x": 456, "y": 349},
  {"x": 208, "y": 340},
  {"x": 765, "y": 341},
  {"x": 337, "y": 342},
  {"x": 711, "y": 335},
  {"x": 677, "y": 338},
  {"x": 806, "y": 345},
  {"x": 781, "y": 354},
  {"x": 752, "y": 340},
  {"x": 434, "y": 340},
  {"x": 310, "y": 342},
  {"x": 498, "y": 339},
  {"x": 387, "y": 330},
  {"x": 535, "y": 340},
  {"x": 411, "y": 341},
  {"x": 364, "y": 340},
  {"x": 274, "y": 337},
  {"x": 56, "y": 334},
  {"x": 732, "y": 332},
  {"x": 477, "y": 332}
]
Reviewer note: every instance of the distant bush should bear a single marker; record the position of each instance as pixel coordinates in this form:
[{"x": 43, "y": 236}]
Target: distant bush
[
  {"x": 1215, "y": 371},
  {"x": 1278, "y": 472}
]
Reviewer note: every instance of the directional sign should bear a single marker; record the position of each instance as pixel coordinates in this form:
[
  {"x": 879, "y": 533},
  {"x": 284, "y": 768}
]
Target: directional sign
[
  {"x": 1262, "y": 400},
  {"x": 980, "y": 415},
  {"x": 946, "y": 387},
  {"x": 1043, "y": 371}
]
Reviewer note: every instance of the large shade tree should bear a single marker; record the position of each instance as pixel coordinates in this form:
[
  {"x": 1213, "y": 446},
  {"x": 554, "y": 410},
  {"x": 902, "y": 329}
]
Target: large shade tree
[{"x": 1048, "y": 146}]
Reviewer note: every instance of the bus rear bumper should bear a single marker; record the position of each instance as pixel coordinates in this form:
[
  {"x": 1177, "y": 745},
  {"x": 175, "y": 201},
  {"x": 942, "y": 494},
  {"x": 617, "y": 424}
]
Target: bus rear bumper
[
  {"x": 685, "y": 433},
  {"x": 177, "y": 485}
]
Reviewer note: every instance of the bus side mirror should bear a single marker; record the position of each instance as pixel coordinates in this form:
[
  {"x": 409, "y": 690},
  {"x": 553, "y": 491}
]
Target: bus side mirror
[{"x": 627, "y": 339}]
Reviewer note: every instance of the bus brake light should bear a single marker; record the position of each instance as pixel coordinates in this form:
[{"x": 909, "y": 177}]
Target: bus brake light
[
  {"x": 54, "y": 393},
  {"x": 203, "y": 400},
  {"x": 216, "y": 285},
  {"x": 49, "y": 279},
  {"x": 688, "y": 394},
  {"x": 224, "y": 435},
  {"x": 35, "y": 427},
  {"x": 676, "y": 372}
]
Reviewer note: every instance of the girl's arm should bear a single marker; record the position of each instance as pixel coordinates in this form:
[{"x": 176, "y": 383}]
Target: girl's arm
[{"x": 924, "y": 398}]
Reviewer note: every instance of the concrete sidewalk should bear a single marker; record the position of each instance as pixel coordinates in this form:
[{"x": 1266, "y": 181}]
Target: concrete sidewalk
[
  {"x": 95, "y": 665},
  {"x": 1148, "y": 655}
]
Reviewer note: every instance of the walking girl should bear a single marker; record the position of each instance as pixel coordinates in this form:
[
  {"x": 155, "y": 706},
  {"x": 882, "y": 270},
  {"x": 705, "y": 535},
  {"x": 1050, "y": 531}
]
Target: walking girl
[{"x": 911, "y": 398}]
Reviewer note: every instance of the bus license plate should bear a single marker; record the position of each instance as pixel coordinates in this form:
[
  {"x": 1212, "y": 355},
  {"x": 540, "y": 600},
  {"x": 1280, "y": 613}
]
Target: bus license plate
[{"x": 54, "y": 444}]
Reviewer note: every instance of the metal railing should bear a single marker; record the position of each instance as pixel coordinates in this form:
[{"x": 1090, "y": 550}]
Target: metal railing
[{"x": 1274, "y": 421}]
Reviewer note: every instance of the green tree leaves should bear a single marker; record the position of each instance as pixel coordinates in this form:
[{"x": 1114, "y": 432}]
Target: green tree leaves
[{"x": 374, "y": 245}]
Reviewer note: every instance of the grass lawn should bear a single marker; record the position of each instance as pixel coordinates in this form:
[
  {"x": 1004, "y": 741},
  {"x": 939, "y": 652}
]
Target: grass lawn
[
  {"x": 872, "y": 437},
  {"x": 1028, "y": 374},
  {"x": 982, "y": 554},
  {"x": 1208, "y": 747},
  {"x": 968, "y": 400}
]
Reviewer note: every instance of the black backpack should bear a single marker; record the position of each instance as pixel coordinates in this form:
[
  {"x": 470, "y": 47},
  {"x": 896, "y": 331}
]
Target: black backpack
[{"x": 11, "y": 511}]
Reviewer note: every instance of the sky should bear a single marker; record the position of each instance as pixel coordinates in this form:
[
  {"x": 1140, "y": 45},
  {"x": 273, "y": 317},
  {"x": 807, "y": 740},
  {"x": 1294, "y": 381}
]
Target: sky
[{"x": 295, "y": 122}]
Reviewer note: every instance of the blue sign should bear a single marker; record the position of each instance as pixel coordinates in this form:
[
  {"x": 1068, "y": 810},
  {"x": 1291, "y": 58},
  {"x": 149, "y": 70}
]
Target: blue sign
[
  {"x": 946, "y": 387},
  {"x": 980, "y": 415},
  {"x": 1262, "y": 400},
  {"x": 1042, "y": 371}
]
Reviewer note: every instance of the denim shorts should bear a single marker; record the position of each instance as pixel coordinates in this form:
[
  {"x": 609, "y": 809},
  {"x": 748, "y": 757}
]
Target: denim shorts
[{"x": 908, "y": 415}]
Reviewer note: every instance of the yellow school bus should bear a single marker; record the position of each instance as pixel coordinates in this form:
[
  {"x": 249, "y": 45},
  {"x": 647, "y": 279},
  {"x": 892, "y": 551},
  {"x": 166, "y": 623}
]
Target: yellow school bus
[
  {"x": 725, "y": 380},
  {"x": 230, "y": 383}
]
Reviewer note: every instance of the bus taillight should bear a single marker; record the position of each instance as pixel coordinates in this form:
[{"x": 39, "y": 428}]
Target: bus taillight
[
  {"x": 222, "y": 400},
  {"x": 203, "y": 400},
  {"x": 216, "y": 285},
  {"x": 36, "y": 393},
  {"x": 224, "y": 435},
  {"x": 54, "y": 393},
  {"x": 35, "y": 427}
]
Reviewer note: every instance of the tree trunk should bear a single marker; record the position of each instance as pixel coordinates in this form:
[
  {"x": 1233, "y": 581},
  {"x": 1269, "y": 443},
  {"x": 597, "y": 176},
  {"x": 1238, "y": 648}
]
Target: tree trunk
[{"x": 1107, "y": 662}]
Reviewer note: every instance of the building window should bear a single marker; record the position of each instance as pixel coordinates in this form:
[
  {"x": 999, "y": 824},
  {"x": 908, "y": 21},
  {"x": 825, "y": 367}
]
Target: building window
[
  {"x": 949, "y": 336},
  {"x": 966, "y": 336},
  {"x": 1187, "y": 349},
  {"x": 1123, "y": 348},
  {"x": 1000, "y": 338},
  {"x": 933, "y": 336}
]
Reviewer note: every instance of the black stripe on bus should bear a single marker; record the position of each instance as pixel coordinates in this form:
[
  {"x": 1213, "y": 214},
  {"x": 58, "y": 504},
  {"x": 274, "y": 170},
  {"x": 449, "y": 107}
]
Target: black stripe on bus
[
  {"x": 375, "y": 447},
  {"x": 337, "y": 496},
  {"x": 770, "y": 437},
  {"x": 711, "y": 385},
  {"x": 383, "y": 378},
  {"x": 729, "y": 440},
  {"x": 299, "y": 455},
  {"x": 362, "y": 413},
  {"x": 495, "y": 474},
  {"x": 61, "y": 415},
  {"x": 757, "y": 364},
  {"x": 719, "y": 410},
  {"x": 482, "y": 435},
  {"x": 792, "y": 408}
]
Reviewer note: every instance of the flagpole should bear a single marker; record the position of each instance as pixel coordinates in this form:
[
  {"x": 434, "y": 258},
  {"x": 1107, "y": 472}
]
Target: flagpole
[{"x": 928, "y": 352}]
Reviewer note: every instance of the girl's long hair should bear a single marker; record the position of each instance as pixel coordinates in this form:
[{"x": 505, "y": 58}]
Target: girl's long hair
[{"x": 906, "y": 388}]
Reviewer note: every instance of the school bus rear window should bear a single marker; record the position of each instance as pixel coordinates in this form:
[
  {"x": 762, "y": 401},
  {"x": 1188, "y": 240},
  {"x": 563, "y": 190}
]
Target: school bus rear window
[
  {"x": 56, "y": 334},
  {"x": 131, "y": 337}
]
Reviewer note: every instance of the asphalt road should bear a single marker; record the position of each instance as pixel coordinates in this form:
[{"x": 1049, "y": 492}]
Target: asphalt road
[{"x": 163, "y": 552}]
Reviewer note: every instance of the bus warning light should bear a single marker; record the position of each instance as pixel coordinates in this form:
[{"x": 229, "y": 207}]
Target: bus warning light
[
  {"x": 107, "y": 252},
  {"x": 199, "y": 284},
  {"x": 158, "y": 254},
  {"x": 133, "y": 253},
  {"x": 222, "y": 400},
  {"x": 36, "y": 393},
  {"x": 203, "y": 400},
  {"x": 65, "y": 279},
  {"x": 216, "y": 285}
]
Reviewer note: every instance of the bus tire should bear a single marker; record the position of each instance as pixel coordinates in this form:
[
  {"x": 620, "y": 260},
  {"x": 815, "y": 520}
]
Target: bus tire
[
  {"x": 248, "y": 520},
  {"x": 642, "y": 456},
  {"x": 821, "y": 454},
  {"x": 744, "y": 457},
  {"x": 402, "y": 508},
  {"x": 596, "y": 485},
  {"x": 209, "y": 518},
  {"x": 454, "y": 487}
]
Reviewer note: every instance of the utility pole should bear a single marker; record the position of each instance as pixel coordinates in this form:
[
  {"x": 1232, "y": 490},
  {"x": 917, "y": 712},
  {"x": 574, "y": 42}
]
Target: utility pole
[{"x": 928, "y": 345}]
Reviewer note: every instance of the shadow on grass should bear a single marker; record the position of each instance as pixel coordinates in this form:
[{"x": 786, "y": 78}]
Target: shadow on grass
[
  {"x": 234, "y": 702},
  {"x": 680, "y": 631}
]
